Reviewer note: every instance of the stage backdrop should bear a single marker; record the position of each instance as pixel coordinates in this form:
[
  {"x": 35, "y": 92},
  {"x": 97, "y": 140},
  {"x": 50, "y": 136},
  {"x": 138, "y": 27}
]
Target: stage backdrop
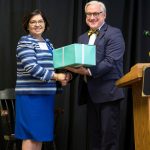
[{"x": 67, "y": 22}]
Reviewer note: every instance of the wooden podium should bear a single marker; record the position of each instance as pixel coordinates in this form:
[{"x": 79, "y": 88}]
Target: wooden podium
[{"x": 141, "y": 106}]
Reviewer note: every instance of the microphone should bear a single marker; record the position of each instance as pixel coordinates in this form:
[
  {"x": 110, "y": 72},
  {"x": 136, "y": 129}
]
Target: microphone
[{"x": 147, "y": 33}]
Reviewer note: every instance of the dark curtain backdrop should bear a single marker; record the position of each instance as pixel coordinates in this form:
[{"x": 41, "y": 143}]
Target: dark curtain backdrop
[{"x": 67, "y": 22}]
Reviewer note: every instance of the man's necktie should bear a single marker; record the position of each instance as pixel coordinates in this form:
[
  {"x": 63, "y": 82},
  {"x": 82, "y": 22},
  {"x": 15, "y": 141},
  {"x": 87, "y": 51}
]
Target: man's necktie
[{"x": 90, "y": 32}]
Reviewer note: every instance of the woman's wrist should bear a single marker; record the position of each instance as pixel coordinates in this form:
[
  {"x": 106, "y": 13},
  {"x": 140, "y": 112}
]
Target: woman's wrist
[{"x": 55, "y": 76}]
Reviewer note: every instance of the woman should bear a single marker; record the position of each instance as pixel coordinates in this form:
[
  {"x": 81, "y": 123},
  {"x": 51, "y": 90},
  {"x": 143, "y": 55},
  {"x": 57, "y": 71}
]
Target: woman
[{"x": 36, "y": 84}]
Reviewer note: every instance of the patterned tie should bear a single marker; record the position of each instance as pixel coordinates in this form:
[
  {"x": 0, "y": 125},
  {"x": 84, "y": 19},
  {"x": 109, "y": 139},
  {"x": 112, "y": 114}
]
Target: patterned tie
[{"x": 90, "y": 32}]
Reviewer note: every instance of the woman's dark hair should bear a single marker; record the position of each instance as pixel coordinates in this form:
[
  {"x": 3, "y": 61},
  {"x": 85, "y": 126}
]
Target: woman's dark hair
[{"x": 27, "y": 18}]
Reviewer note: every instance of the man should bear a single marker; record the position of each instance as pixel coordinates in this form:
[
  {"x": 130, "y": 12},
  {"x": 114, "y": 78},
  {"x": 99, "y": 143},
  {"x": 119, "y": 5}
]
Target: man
[{"x": 103, "y": 97}]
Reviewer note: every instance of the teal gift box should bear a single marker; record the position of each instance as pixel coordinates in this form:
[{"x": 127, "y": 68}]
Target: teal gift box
[{"x": 74, "y": 55}]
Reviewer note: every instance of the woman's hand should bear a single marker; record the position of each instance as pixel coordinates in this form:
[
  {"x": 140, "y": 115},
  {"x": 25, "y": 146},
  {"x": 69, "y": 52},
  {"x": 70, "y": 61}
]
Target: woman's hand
[
  {"x": 64, "y": 78},
  {"x": 60, "y": 77}
]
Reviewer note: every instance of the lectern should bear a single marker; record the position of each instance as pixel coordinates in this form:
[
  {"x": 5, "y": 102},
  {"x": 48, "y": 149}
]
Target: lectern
[{"x": 141, "y": 105}]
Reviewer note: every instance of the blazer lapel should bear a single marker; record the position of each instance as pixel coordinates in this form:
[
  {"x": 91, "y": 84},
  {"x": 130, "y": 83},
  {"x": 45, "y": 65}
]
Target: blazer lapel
[
  {"x": 101, "y": 33},
  {"x": 86, "y": 39}
]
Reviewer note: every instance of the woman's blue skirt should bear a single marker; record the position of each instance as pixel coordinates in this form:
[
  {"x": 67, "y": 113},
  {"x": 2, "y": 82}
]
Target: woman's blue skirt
[{"x": 35, "y": 117}]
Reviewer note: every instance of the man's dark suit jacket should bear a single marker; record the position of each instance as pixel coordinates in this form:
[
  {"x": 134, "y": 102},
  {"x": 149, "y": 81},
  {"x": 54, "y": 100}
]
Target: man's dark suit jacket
[{"x": 101, "y": 86}]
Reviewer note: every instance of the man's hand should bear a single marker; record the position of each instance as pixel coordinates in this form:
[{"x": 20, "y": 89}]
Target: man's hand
[{"x": 80, "y": 70}]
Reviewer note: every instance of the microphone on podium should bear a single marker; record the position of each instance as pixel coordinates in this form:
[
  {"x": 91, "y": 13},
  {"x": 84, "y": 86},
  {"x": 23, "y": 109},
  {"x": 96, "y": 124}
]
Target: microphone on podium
[{"x": 147, "y": 33}]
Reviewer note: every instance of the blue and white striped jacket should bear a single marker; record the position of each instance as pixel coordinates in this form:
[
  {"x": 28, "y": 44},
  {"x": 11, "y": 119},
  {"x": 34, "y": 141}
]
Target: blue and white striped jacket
[{"x": 34, "y": 66}]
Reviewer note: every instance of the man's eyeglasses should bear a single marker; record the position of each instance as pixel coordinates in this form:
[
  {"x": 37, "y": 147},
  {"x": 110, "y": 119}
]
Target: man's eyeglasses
[
  {"x": 95, "y": 14},
  {"x": 40, "y": 22}
]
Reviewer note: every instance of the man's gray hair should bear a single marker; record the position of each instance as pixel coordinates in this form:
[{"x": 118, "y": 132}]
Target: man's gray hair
[{"x": 102, "y": 5}]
